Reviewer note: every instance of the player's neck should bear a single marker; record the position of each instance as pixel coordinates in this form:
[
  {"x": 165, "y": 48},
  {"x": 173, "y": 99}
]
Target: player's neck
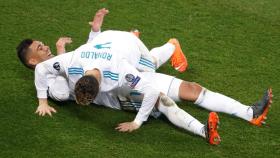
[{"x": 95, "y": 73}]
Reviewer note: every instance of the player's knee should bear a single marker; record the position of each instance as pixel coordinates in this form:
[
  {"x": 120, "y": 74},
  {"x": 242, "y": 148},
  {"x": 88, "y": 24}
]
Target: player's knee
[
  {"x": 196, "y": 87},
  {"x": 189, "y": 90},
  {"x": 167, "y": 106},
  {"x": 166, "y": 101}
]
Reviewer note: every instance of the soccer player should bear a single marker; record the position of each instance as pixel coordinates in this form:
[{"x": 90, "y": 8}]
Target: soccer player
[
  {"x": 175, "y": 88},
  {"x": 58, "y": 66},
  {"x": 111, "y": 68},
  {"x": 116, "y": 72}
]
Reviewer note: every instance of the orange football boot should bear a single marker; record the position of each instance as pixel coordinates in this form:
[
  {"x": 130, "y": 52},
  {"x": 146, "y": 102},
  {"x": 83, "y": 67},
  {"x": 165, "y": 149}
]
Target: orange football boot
[
  {"x": 178, "y": 59},
  {"x": 260, "y": 109},
  {"x": 211, "y": 132}
]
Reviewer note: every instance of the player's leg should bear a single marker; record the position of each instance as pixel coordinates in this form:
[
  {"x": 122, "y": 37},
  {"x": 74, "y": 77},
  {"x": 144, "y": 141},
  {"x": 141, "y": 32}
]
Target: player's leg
[
  {"x": 212, "y": 101},
  {"x": 220, "y": 103},
  {"x": 162, "y": 54},
  {"x": 159, "y": 55},
  {"x": 182, "y": 119},
  {"x": 154, "y": 58},
  {"x": 172, "y": 50},
  {"x": 179, "y": 90}
]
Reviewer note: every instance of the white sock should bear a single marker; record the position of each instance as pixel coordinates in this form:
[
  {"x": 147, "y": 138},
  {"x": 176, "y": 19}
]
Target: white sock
[
  {"x": 220, "y": 103},
  {"x": 163, "y": 53},
  {"x": 179, "y": 117}
]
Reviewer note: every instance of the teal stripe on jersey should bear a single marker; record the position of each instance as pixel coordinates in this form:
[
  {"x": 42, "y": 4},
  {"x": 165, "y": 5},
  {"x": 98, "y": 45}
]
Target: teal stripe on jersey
[
  {"x": 77, "y": 73},
  {"x": 146, "y": 62},
  {"x": 111, "y": 75},
  {"x": 142, "y": 63},
  {"x": 75, "y": 70}
]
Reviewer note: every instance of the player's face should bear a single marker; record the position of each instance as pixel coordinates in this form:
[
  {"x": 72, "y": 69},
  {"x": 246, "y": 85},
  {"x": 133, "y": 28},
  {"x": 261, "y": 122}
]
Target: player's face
[{"x": 39, "y": 52}]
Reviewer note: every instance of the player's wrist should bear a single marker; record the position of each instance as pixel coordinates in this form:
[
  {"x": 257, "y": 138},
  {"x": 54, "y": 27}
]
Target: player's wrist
[
  {"x": 95, "y": 31},
  {"x": 60, "y": 45},
  {"x": 43, "y": 102},
  {"x": 137, "y": 122}
]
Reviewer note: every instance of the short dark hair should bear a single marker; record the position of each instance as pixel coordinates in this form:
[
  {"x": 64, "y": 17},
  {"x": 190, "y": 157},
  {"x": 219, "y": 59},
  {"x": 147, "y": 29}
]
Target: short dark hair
[
  {"x": 86, "y": 89},
  {"x": 22, "y": 51}
]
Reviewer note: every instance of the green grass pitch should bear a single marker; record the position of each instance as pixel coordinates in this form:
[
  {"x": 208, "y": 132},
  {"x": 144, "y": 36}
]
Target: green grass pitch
[{"x": 233, "y": 47}]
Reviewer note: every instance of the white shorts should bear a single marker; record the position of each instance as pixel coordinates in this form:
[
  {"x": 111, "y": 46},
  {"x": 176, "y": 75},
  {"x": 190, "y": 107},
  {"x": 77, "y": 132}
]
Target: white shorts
[{"x": 166, "y": 84}]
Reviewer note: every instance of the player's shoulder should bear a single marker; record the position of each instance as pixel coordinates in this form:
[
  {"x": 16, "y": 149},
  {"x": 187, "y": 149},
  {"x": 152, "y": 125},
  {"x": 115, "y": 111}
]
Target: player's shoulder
[{"x": 56, "y": 63}]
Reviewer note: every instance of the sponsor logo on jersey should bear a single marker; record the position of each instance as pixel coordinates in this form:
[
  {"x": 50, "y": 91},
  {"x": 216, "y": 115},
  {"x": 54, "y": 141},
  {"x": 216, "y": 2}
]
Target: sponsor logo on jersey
[
  {"x": 134, "y": 82},
  {"x": 129, "y": 77},
  {"x": 56, "y": 66}
]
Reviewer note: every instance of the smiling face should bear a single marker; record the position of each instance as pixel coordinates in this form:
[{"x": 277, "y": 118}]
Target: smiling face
[{"x": 38, "y": 52}]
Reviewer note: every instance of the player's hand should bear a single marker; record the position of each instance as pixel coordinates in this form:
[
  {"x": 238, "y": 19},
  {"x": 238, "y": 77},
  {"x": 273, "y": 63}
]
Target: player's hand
[
  {"x": 98, "y": 19},
  {"x": 44, "y": 109},
  {"x": 60, "y": 44},
  {"x": 127, "y": 127}
]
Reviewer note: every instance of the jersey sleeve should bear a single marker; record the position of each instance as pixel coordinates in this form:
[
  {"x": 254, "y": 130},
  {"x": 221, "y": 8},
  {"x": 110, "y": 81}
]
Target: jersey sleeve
[
  {"x": 42, "y": 70},
  {"x": 59, "y": 89},
  {"x": 92, "y": 35},
  {"x": 132, "y": 78}
]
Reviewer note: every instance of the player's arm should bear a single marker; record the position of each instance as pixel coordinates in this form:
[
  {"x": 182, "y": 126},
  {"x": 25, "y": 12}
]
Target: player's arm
[
  {"x": 96, "y": 23},
  {"x": 61, "y": 43},
  {"x": 42, "y": 70},
  {"x": 58, "y": 88},
  {"x": 136, "y": 81}
]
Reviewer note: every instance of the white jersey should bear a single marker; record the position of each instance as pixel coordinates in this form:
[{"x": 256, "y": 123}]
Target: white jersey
[
  {"x": 55, "y": 66},
  {"x": 113, "y": 55},
  {"x": 116, "y": 73},
  {"x": 125, "y": 99},
  {"x": 126, "y": 45}
]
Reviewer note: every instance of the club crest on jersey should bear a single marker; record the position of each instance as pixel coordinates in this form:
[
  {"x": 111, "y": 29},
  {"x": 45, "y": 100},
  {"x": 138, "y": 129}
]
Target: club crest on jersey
[
  {"x": 129, "y": 77},
  {"x": 132, "y": 80},
  {"x": 56, "y": 66}
]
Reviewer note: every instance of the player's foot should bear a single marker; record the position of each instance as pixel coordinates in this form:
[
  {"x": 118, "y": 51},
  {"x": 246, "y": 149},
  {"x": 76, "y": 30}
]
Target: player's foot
[
  {"x": 260, "y": 109},
  {"x": 135, "y": 32},
  {"x": 211, "y": 131},
  {"x": 178, "y": 59}
]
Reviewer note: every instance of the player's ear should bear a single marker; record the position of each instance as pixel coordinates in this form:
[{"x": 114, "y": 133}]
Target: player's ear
[{"x": 32, "y": 61}]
